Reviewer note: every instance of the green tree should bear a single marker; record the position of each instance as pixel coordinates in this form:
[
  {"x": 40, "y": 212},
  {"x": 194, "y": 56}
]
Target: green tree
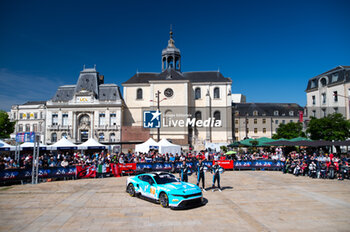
[
  {"x": 6, "y": 126},
  {"x": 289, "y": 131},
  {"x": 333, "y": 127}
]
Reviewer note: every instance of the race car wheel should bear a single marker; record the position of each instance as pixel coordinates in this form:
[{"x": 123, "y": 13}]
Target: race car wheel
[
  {"x": 163, "y": 199},
  {"x": 131, "y": 190}
]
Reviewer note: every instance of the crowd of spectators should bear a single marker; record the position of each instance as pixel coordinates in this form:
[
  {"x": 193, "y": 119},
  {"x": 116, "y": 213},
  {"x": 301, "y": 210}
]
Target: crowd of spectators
[{"x": 302, "y": 163}]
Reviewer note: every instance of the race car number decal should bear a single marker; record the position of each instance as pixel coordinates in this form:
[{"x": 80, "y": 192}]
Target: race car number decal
[{"x": 153, "y": 190}]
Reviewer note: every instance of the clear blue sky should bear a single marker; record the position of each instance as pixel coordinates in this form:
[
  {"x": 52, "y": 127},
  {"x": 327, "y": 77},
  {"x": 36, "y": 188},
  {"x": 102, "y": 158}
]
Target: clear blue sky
[{"x": 269, "y": 48}]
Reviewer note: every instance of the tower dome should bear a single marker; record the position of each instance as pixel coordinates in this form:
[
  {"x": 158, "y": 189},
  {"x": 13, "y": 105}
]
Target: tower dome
[{"x": 171, "y": 56}]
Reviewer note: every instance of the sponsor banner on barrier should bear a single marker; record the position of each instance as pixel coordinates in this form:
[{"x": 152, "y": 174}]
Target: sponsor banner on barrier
[
  {"x": 226, "y": 164},
  {"x": 23, "y": 174},
  {"x": 259, "y": 164},
  {"x": 86, "y": 171}
]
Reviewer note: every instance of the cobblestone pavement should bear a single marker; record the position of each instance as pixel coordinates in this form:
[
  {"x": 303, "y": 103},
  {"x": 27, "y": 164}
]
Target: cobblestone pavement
[{"x": 250, "y": 201}]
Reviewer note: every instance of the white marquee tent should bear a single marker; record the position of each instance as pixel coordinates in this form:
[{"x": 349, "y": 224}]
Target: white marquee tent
[
  {"x": 91, "y": 144},
  {"x": 167, "y": 147},
  {"x": 145, "y": 147},
  {"x": 5, "y": 147},
  {"x": 30, "y": 146},
  {"x": 63, "y": 144}
]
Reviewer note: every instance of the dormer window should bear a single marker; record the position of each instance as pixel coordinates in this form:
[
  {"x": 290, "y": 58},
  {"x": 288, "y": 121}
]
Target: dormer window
[
  {"x": 323, "y": 81},
  {"x": 276, "y": 113},
  {"x": 291, "y": 113},
  {"x": 255, "y": 113}
]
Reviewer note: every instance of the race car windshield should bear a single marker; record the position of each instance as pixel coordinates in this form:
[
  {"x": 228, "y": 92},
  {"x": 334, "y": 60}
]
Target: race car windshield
[{"x": 165, "y": 179}]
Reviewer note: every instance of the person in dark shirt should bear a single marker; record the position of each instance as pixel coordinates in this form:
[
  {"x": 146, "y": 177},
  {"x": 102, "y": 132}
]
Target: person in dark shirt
[
  {"x": 200, "y": 174},
  {"x": 216, "y": 169},
  {"x": 184, "y": 171}
]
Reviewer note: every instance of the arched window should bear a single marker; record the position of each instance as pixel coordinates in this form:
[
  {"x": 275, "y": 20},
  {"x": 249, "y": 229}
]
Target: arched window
[
  {"x": 216, "y": 92},
  {"x": 112, "y": 137},
  {"x": 101, "y": 137},
  {"x": 53, "y": 137},
  {"x": 255, "y": 113},
  {"x": 198, "y": 115},
  {"x": 64, "y": 135},
  {"x": 197, "y": 93},
  {"x": 139, "y": 94},
  {"x": 217, "y": 115}
]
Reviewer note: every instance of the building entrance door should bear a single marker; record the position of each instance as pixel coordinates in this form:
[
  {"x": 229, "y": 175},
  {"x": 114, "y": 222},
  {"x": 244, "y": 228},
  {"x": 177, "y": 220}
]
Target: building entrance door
[{"x": 84, "y": 135}]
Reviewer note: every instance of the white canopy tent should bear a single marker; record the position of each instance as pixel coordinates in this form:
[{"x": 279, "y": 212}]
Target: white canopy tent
[
  {"x": 146, "y": 146},
  {"x": 63, "y": 144},
  {"x": 91, "y": 144},
  {"x": 167, "y": 147},
  {"x": 6, "y": 147},
  {"x": 30, "y": 146}
]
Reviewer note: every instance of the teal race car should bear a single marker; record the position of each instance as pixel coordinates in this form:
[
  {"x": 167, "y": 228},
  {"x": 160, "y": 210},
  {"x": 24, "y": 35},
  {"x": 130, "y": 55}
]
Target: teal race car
[{"x": 165, "y": 188}]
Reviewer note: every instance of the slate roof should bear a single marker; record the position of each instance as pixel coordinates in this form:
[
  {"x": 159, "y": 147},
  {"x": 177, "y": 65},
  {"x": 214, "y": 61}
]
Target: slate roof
[
  {"x": 343, "y": 77},
  {"x": 34, "y": 103},
  {"x": 88, "y": 81},
  {"x": 171, "y": 74},
  {"x": 266, "y": 109}
]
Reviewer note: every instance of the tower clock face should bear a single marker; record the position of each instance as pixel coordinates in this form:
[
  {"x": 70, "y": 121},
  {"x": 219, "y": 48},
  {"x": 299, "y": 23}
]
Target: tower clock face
[{"x": 168, "y": 92}]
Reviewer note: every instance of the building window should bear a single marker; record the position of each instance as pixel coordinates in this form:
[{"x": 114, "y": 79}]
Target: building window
[
  {"x": 324, "y": 112},
  {"x": 255, "y": 121},
  {"x": 291, "y": 120},
  {"x": 334, "y": 77},
  {"x": 28, "y": 115},
  {"x": 276, "y": 121},
  {"x": 313, "y": 100},
  {"x": 236, "y": 121},
  {"x": 101, "y": 137},
  {"x": 102, "y": 118},
  {"x": 264, "y": 130},
  {"x": 198, "y": 115},
  {"x": 283, "y": 121},
  {"x": 276, "y": 113},
  {"x": 21, "y": 116},
  {"x": 255, "y": 113},
  {"x": 323, "y": 98},
  {"x": 139, "y": 94},
  {"x": 113, "y": 119},
  {"x": 112, "y": 137},
  {"x": 314, "y": 113},
  {"x": 64, "y": 119},
  {"x": 335, "y": 96},
  {"x": 264, "y": 120},
  {"x": 54, "y": 119},
  {"x": 14, "y": 116},
  {"x": 35, "y": 127},
  {"x": 64, "y": 135},
  {"x": 27, "y": 127},
  {"x": 255, "y": 130},
  {"x": 236, "y": 130},
  {"x": 20, "y": 127},
  {"x": 53, "y": 137},
  {"x": 237, "y": 112},
  {"x": 217, "y": 115},
  {"x": 216, "y": 92},
  {"x": 247, "y": 121},
  {"x": 197, "y": 93},
  {"x": 35, "y": 115},
  {"x": 41, "y": 115},
  {"x": 291, "y": 113},
  {"x": 323, "y": 82},
  {"x": 335, "y": 109},
  {"x": 313, "y": 84}
]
